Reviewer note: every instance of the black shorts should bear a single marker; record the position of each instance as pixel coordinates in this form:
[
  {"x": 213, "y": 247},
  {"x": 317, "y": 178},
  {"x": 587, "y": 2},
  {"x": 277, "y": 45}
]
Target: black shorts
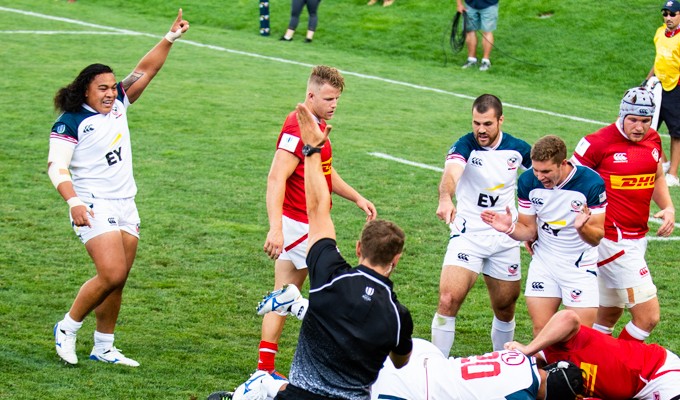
[
  {"x": 292, "y": 392},
  {"x": 670, "y": 111}
]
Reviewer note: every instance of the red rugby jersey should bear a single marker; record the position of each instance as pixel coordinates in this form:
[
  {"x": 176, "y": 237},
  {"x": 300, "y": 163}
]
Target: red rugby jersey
[
  {"x": 629, "y": 171},
  {"x": 294, "y": 202},
  {"x": 615, "y": 368}
]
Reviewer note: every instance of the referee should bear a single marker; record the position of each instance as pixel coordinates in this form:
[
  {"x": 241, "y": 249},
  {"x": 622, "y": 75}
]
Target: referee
[{"x": 354, "y": 320}]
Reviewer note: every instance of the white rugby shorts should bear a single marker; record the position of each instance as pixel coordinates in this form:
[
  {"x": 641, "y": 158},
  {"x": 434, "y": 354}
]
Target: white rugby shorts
[
  {"x": 110, "y": 215},
  {"x": 554, "y": 276},
  {"x": 295, "y": 239},
  {"x": 494, "y": 255}
]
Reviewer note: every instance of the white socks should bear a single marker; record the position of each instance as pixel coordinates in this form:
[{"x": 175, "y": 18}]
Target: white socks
[
  {"x": 68, "y": 324},
  {"x": 501, "y": 333},
  {"x": 604, "y": 329},
  {"x": 102, "y": 341},
  {"x": 443, "y": 333}
]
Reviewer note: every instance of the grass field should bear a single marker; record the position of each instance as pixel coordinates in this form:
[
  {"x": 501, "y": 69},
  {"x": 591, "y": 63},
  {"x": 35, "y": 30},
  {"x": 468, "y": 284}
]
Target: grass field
[{"x": 203, "y": 137}]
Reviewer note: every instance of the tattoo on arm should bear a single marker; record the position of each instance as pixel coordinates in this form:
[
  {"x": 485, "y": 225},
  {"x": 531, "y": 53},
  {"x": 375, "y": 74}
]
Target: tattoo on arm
[{"x": 131, "y": 79}]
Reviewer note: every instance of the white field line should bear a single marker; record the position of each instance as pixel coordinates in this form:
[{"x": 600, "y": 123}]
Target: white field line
[
  {"x": 286, "y": 61},
  {"x": 113, "y": 30},
  {"x": 67, "y": 33},
  {"x": 282, "y": 60}
]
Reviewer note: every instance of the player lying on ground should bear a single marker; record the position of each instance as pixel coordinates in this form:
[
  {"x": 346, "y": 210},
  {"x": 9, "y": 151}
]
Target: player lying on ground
[{"x": 429, "y": 375}]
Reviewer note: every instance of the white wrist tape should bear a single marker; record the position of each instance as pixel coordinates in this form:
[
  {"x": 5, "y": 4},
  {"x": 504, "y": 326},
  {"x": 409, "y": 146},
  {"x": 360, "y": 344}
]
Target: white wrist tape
[
  {"x": 172, "y": 36},
  {"x": 74, "y": 202}
]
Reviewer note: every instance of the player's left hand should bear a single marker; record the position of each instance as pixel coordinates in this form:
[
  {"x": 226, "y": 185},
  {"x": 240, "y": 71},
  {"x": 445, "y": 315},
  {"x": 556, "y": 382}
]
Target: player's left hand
[
  {"x": 582, "y": 217},
  {"x": 369, "y": 209},
  {"x": 180, "y": 24},
  {"x": 668, "y": 224}
]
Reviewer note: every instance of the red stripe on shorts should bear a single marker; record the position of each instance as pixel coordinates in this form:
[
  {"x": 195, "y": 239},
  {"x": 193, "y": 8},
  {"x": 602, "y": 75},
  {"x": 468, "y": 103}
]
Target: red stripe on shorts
[
  {"x": 610, "y": 259},
  {"x": 297, "y": 242}
]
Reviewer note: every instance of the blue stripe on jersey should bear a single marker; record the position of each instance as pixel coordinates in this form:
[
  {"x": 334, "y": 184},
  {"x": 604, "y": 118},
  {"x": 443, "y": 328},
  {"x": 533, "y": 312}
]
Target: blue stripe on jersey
[
  {"x": 388, "y": 397},
  {"x": 467, "y": 144},
  {"x": 584, "y": 180},
  {"x": 68, "y": 123}
]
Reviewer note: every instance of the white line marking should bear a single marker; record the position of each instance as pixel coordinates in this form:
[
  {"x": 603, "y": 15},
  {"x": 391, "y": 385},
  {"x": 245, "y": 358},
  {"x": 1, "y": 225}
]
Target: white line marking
[
  {"x": 282, "y": 60},
  {"x": 70, "y": 33},
  {"x": 407, "y": 162},
  {"x": 659, "y": 221}
]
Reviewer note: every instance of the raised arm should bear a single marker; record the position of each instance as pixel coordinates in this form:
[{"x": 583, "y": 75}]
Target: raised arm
[
  {"x": 147, "y": 68},
  {"x": 316, "y": 189}
]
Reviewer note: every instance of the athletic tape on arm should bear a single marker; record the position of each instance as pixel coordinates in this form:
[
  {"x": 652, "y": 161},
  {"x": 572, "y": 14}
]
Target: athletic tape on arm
[{"x": 59, "y": 159}]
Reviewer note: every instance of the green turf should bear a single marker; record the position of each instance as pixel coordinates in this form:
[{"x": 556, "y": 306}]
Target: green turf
[{"x": 203, "y": 137}]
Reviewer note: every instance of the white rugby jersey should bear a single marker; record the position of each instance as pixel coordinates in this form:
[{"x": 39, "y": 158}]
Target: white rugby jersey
[
  {"x": 506, "y": 375},
  {"x": 101, "y": 166},
  {"x": 488, "y": 181},
  {"x": 556, "y": 210}
]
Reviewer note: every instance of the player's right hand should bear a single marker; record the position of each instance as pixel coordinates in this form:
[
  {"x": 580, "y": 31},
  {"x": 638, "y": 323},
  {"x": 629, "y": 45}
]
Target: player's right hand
[
  {"x": 446, "y": 211},
  {"x": 79, "y": 214},
  {"x": 273, "y": 245}
]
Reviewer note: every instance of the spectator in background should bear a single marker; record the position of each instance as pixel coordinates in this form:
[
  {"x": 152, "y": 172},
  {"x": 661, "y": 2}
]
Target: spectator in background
[
  {"x": 386, "y": 3},
  {"x": 667, "y": 69},
  {"x": 295, "y": 11},
  {"x": 482, "y": 15},
  {"x": 626, "y": 155}
]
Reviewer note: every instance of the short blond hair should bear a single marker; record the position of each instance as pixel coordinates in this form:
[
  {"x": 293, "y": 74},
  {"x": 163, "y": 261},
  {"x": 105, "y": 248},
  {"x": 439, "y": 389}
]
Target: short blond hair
[{"x": 324, "y": 74}]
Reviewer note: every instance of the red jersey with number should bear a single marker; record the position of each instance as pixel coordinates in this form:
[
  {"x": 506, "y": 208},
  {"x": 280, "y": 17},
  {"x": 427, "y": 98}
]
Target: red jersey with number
[
  {"x": 294, "y": 201},
  {"x": 629, "y": 171},
  {"x": 614, "y": 368}
]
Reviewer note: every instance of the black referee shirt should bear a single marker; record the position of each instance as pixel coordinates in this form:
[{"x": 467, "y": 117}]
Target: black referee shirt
[{"x": 353, "y": 322}]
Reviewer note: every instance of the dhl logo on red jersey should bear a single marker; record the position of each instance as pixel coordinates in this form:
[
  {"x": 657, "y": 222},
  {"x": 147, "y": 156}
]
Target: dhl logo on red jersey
[
  {"x": 631, "y": 182},
  {"x": 589, "y": 377},
  {"x": 326, "y": 166}
]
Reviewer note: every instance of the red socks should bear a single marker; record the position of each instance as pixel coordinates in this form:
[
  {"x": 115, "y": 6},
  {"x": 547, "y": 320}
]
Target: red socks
[{"x": 267, "y": 358}]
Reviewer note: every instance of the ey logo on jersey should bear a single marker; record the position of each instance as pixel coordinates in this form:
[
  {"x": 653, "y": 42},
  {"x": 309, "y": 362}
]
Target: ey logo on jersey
[
  {"x": 114, "y": 156},
  {"x": 553, "y": 227},
  {"x": 488, "y": 200},
  {"x": 632, "y": 182}
]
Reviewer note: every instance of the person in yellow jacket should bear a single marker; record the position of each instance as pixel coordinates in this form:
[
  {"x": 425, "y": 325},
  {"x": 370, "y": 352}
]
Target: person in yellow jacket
[{"x": 666, "y": 68}]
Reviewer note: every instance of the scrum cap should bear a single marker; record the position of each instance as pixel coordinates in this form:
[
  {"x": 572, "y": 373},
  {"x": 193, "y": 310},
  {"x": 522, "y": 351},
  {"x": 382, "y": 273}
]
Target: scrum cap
[
  {"x": 637, "y": 101},
  {"x": 564, "y": 381}
]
